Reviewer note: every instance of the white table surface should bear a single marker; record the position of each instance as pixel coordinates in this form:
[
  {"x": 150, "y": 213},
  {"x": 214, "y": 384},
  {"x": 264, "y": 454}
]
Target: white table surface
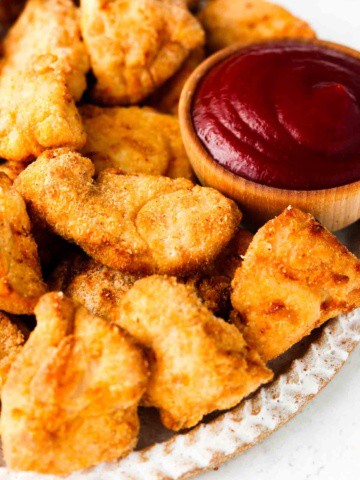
[{"x": 323, "y": 442}]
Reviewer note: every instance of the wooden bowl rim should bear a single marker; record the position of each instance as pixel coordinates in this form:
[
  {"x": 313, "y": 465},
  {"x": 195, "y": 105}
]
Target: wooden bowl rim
[{"x": 188, "y": 130}]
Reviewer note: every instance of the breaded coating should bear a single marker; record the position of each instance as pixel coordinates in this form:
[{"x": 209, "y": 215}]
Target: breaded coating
[
  {"x": 11, "y": 342},
  {"x": 21, "y": 284},
  {"x": 295, "y": 276},
  {"x": 49, "y": 27},
  {"x": 71, "y": 397},
  {"x": 166, "y": 99},
  {"x": 227, "y": 22},
  {"x": 12, "y": 169},
  {"x": 145, "y": 42},
  {"x": 135, "y": 140},
  {"x": 214, "y": 285},
  {"x": 98, "y": 288},
  {"x": 138, "y": 224},
  {"x": 199, "y": 363},
  {"x": 37, "y": 111},
  {"x": 42, "y": 74}
]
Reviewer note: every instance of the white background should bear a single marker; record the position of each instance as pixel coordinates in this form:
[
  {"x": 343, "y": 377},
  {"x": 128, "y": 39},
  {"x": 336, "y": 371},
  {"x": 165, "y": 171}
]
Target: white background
[{"x": 323, "y": 442}]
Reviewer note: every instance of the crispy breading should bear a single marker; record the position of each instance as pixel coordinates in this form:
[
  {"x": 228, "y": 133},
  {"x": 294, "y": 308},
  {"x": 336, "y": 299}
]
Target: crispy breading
[
  {"x": 21, "y": 284},
  {"x": 295, "y": 276},
  {"x": 227, "y": 22},
  {"x": 198, "y": 363},
  {"x": 135, "y": 140},
  {"x": 11, "y": 342},
  {"x": 42, "y": 74},
  {"x": 146, "y": 41},
  {"x": 71, "y": 397},
  {"x": 139, "y": 224},
  {"x": 12, "y": 169},
  {"x": 98, "y": 288},
  {"x": 37, "y": 111},
  {"x": 166, "y": 99},
  {"x": 49, "y": 27},
  {"x": 214, "y": 285}
]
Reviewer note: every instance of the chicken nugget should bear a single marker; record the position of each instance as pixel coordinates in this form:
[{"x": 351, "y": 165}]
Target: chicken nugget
[
  {"x": 49, "y": 27},
  {"x": 72, "y": 394},
  {"x": 42, "y": 74},
  {"x": 12, "y": 169},
  {"x": 37, "y": 111},
  {"x": 21, "y": 284},
  {"x": 295, "y": 276},
  {"x": 135, "y": 140},
  {"x": 146, "y": 41},
  {"x": 227, "y": 22},
  {"x": 198, "y": 362},
  {"x": 11, "y": 342},
  {"x": 138, "y": 224},
  {"x": 98, "y": 288},
  {"x": 166, "y": 99}
]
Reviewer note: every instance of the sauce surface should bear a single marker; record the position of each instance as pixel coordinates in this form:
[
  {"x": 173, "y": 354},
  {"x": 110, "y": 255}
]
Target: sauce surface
[{"x": 284, "y": 114}]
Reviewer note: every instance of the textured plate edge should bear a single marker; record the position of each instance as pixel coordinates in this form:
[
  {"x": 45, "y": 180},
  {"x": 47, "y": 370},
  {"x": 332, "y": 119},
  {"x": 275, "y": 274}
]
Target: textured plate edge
[{"x": 210, "y": 445}]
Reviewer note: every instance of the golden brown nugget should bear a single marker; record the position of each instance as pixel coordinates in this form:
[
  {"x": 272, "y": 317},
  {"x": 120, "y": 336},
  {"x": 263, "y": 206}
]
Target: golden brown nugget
[
  {"x": 72, "y": 394},
  {"x": 42, "y": 74},
  {"x": 166, "y": 99},
  {"x": 37, "y": 111},
  {"x": 21, "y": 284},
  {"x": 11, "y": 343},
  {"x": 12, "y": 169},
  {"x": 98, "y": 288},
  {"x": 138, "y": 224},
  {"x": 227, "y": 22},
  {"x": 198, "y": 363},
  {"x": 49, "y": 27},
  {"x": 295, "y": 276},
  {"x": 135, "y": 140},
  {"x": 146, "y": 41}
]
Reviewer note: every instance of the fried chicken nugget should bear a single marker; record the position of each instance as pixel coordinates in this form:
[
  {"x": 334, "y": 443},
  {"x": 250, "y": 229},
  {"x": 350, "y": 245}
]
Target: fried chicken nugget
[
  {"x": 71, "y": 397},
  {"x": 245, "y": 21},
  {"x": 138, "y": 224},
  {"x": 98, "y": 288},
  {"x": 295, "y": 276},
  {"x": 21, "y": 284},
  {"x": 11, "y": 343},
  {"x": 42, "y": 73},
  {"x": 135, "y": 140},
  {"x": 50, "y": 27},
  {"x": 146, "y": 41},
  {"x": 199, "y": 363},
  {"x": 12, "y": 169},
  {"x": 166, "y": 99}
]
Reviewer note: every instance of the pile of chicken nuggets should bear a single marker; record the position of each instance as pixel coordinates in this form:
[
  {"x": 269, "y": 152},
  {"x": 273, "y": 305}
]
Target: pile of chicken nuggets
[{"x": 145, "y": 288}]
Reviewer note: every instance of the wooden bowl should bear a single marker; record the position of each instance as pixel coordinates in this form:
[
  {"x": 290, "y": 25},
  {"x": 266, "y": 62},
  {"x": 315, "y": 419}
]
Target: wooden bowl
[{"x": 335, "y": 208}]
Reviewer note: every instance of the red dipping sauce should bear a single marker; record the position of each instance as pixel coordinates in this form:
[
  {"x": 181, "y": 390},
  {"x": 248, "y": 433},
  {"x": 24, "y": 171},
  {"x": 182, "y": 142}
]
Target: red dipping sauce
[{"x": 284, "y": 114}]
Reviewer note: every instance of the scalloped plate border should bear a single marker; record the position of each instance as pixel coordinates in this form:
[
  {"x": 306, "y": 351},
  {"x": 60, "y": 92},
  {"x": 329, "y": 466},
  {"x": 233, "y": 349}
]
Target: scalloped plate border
[{"x": 210, "y": 445}]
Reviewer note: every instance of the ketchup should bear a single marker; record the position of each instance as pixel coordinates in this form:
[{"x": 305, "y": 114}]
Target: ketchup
[{"x": 284, "y": 114}]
